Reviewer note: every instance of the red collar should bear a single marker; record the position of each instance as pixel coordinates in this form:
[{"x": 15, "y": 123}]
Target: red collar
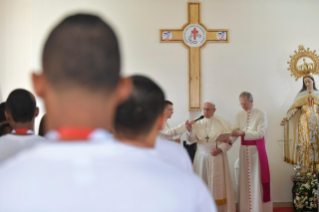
[
  {"x": 74, "y": 133},
  {"x": 22, "y": 131}
]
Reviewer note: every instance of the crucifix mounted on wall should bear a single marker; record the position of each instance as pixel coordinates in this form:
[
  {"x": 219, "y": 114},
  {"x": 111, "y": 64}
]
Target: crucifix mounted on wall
[{"x": 194, "y": 35}]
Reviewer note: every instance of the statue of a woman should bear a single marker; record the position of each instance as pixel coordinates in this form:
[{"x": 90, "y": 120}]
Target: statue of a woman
[{"x": 301, "y": 126}]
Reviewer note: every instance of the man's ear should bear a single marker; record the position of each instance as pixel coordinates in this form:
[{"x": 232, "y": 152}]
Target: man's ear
[
  {"x": 8, "y": 116},
  {"x": 36, "y": 112},
  {"x": 160, "y": 121},
  {"x": 124, "y": 89},
  {"x": 39, "y": 82}
]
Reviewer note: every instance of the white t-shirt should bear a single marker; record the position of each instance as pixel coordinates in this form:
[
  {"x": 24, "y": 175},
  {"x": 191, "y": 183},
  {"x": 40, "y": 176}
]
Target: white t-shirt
[
  {"x": 98, "y": 176},
  {"x": 174, "y": 154},
  {"x": 10, "y": 144}
]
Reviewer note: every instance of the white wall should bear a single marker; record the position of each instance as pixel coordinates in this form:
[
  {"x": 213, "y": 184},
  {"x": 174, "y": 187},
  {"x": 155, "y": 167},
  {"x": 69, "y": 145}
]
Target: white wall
[{"x": 262, "y": 36}]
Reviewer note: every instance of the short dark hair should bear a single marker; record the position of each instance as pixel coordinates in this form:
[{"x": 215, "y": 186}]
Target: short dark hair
[
  {"x": 21, "y": 105},
  {"x": 166, "y": 102},
  {"x": 82, "y": 51},
  {"x": 2, "y": 109},
  {"x": 137, "y": 115}
]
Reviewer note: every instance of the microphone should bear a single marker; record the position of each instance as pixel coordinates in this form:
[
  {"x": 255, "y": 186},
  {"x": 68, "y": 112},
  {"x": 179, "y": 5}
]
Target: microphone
[{"x": 199, "y": 118}]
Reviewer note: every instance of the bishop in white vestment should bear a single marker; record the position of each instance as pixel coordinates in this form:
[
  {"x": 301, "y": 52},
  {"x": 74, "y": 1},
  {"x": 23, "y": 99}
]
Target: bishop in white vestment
[
  {"x": 214, "y": 170},
  {"x": 254, "y": 177}
]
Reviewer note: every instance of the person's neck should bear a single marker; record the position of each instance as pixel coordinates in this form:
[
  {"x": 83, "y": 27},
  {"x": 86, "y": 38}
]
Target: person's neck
[
  {"x": 78, "y": 109},
  {"x": 146, "y": 141},
  {"x": 26, "y": 126}
]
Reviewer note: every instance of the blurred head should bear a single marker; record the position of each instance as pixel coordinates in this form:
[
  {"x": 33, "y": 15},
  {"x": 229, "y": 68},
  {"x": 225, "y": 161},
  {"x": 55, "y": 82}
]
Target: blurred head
[
  {"x": 82, "y": 51},
  {"x": 209, "y": 109},
  {"x": 2, "y": 110},
  {"x": 81, "y": 65},
  {"x": 246, "y": 100},
  {"x": 142, "y": 113},
  {"x": 21, "y": 107},
  {"x": 169, "y": 110}
]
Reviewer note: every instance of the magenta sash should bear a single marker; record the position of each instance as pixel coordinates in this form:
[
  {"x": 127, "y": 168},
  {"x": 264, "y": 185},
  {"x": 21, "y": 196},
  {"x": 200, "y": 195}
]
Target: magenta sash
[{"x": 264, "y": 166}]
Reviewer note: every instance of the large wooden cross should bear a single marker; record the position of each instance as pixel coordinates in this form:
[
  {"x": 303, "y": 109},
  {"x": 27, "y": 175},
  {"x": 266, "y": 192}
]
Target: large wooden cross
[{"x": 194, "y": 36}]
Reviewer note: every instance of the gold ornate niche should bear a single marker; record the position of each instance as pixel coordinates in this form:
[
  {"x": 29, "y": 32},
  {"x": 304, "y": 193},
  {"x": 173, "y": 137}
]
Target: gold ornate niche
[{"x": 303, "y": 63}]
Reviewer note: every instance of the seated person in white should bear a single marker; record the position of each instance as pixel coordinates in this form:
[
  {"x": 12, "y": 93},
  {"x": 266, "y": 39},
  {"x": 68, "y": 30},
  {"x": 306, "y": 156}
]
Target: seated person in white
[
  {"x": 131, "y": 118},
  {"x": 20, "y": 112},
  {"x": 170, "y": 132},
  {"x": 85, "y": 169}
]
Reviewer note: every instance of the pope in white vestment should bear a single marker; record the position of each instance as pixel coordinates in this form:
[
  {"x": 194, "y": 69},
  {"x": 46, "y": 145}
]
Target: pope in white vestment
[
  {"x": 214, "y": 170},
  {"x": 252, "y": 123}
]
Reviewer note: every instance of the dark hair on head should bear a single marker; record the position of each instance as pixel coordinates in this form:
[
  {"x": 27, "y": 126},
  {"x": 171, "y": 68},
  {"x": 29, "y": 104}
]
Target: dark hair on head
[
  {"x": 166, "y": 102},
  {"x": 82, "y": 51},
  {"x": 304, "y": 87},
  {"x": 2, "y": 109},
  {"x": 21, "y": 105},
  {"x": 5, "y": 128},
  {"x": 137, "y": 115}
]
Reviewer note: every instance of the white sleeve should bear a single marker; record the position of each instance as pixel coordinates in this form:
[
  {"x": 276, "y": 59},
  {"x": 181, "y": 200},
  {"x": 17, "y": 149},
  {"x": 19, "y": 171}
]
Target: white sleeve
[
  {"x": 225, "y": 147},
  {"x": 181, "y": 128}
]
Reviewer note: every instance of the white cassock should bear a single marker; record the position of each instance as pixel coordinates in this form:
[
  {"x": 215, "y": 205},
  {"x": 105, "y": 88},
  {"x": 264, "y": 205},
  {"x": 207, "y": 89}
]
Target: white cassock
[
  {"x": 173, "y": 153},
  {"x": 214, "y": 170},
  {"x": 11, "y": 144},
  {"x": 254, "y": 123},
  {"x": 99, "y": 174},
  {"x": 169, "y": 132}
]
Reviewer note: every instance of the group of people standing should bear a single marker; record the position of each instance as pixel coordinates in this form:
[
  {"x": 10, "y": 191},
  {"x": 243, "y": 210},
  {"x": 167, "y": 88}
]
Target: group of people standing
[
  {"x": 108, "y": 143},
  {"x": 211, "y": 162},
  {"x": 81, "y": 165}
]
